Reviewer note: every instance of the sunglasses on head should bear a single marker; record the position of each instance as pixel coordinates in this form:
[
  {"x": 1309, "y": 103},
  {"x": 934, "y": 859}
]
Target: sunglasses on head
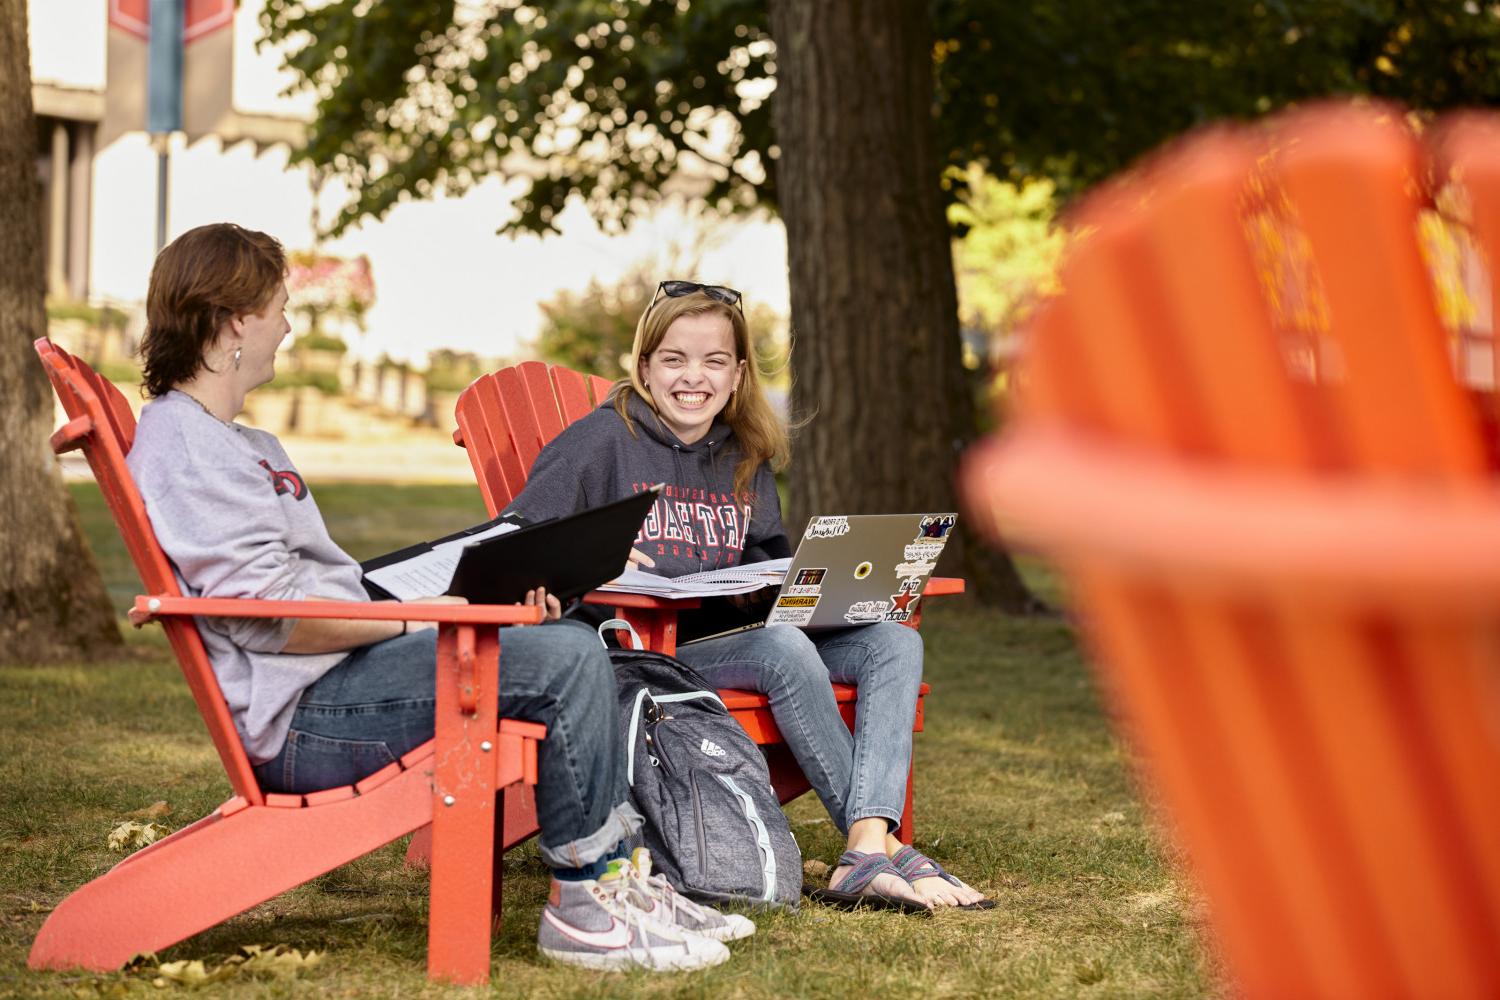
[{"x": 674, "y": 289}]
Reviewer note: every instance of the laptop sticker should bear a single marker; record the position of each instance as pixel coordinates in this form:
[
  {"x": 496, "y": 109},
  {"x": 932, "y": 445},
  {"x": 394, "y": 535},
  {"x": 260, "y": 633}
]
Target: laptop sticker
[
  {"x": 902, "y": 606},
  {"x": 863, "y": 570},
  {"x": 797, "y": 602},
  {"x": 934, "y": 527},
  {"x": 790, "y": 616},
  {"x": 914, "y": 570},
  {"x": 807, "y": 582},
  {"x": 828, "y": 527},
  {"x": 866, "y": 612},
  {"x": 923, "y": 551}
]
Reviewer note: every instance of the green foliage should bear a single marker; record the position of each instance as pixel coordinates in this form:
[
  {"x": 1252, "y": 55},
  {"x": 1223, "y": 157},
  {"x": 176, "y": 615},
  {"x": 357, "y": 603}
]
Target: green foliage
[
  {"x": 452, "y": 371},
  {"x": 1074, "y": 89},
  {"x": 121, "y": 373},
  {"x": 317, "y": 341},
  {"x": 609, "y": 99},
  {"x": 1009, "y": 250},
  {"x": 613, "y": 97},
  {"x": 593, "y": 330},
  {"x": 95, "y": 316},
  {"x": 325, "y": 382}
]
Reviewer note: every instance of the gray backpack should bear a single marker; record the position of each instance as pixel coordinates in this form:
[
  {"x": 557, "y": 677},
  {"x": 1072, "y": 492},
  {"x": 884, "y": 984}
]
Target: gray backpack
[{"x": 713, "y": 824}]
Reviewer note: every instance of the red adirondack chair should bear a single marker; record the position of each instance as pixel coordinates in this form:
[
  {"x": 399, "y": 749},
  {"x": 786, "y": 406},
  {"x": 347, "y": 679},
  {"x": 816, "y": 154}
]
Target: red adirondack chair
[
  {"x": 257, "y": 845},
  {"x": 1242, "y": 437},
  {"x": 504, "y": 420}
]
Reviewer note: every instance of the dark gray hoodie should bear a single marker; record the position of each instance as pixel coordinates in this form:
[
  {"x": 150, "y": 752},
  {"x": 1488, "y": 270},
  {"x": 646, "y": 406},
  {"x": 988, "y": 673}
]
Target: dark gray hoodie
[{"x": 698, "y": 523}]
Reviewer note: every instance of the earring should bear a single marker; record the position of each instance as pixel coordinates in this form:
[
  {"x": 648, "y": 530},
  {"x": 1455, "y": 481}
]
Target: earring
[{"x": 237, "y": 352}]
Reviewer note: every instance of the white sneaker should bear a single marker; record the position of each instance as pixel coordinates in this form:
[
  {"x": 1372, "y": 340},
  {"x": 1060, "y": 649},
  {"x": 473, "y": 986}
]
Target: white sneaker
[
  {"x": 586, "y": 925},
  {"x": 655, "y": 895}
]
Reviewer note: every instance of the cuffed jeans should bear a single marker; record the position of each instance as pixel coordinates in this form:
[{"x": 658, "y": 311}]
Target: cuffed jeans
[
  {"x": 857, "y": 775},
  {"x": 378, "y": 704}
]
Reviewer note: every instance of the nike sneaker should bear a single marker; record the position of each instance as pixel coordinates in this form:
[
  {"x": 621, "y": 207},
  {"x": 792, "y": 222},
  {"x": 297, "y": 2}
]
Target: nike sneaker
[
  {"x": 594, "y": 927},
  {"x": 655, "y": 895}
]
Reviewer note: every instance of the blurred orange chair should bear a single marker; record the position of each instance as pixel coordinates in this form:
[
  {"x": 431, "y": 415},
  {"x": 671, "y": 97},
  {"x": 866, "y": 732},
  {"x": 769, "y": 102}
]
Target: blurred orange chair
[{"x": 1254, "y": 433}]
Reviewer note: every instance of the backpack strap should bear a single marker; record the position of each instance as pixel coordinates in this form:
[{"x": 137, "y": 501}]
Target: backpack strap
[{"x": 620, "y": 624}]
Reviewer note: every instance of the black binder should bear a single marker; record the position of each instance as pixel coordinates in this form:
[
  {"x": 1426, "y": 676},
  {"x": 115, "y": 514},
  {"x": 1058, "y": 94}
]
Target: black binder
[{"x": 570, "y": 556}]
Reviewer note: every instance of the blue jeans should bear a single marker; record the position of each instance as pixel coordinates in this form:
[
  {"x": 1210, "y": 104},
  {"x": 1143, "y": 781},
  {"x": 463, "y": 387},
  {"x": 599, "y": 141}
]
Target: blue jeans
[
  {"x": 378, "y": 703},
  {"x": 857, "y": 775}
]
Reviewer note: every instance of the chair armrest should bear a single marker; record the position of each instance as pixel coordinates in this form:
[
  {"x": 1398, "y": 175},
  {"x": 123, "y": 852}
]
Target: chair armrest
[
  {"x": 621, "y": 599},
  {"x": 943, "y": 586},
  {"x": 148, "y": 607}
]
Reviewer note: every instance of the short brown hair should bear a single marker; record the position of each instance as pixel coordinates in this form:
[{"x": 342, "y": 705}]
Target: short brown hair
[{"x": 199, "y": 281}]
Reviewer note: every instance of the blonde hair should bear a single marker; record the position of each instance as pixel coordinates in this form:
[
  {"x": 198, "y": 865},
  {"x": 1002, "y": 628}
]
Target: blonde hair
[{"x": 761, "y": 434}]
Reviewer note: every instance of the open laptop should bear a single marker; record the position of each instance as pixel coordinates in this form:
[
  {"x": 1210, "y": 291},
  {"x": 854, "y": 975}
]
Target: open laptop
[{"x": 856, "y": 569}]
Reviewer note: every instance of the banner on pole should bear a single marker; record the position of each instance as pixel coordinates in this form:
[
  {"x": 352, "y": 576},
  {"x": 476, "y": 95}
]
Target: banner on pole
[{"x": 207, "y": 68}]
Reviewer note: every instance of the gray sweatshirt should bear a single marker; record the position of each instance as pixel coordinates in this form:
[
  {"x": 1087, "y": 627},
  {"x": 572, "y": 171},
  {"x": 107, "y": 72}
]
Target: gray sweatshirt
[
  {"x": 698, "y": 522},
  {"x": 237, "y": 520}
]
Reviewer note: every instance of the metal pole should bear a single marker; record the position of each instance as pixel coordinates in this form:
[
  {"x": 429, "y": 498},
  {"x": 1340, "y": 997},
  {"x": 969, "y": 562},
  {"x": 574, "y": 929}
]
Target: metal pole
[
  {"x": 164, "y": 96},
  {"x": 163, "y": 144}
]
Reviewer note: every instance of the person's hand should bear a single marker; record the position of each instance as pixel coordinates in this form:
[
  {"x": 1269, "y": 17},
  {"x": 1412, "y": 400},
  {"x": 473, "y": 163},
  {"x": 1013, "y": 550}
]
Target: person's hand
[
  {"x": 639, "y": 558},
  {"x": 539, "y": 596},
  {"x": 434, "y": 599}
]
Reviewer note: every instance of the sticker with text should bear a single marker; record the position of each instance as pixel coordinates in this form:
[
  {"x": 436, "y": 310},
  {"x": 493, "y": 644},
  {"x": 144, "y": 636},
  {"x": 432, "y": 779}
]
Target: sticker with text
[
  {"x": 923, "y": 551},
  {"x": 797, "y": 602},
  {"x": 914, "y": 570},
  {"x": 807, "y": 582},
  {"x": 903, "y": 606},
  {"x": 866, "y": 612},
  {"x": 828, "y": 527},
  {"x": 790, "y": 616}
]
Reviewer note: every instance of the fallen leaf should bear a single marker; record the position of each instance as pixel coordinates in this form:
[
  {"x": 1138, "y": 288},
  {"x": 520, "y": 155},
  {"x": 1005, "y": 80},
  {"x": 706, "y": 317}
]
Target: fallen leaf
[
  {"x": 155, "y": 810},
  {"x": 189, "y": 972},
  {"x": 815, "y": 868},
  {"x": 131, "y": 835},
  {"x": 254, "y": 960}
]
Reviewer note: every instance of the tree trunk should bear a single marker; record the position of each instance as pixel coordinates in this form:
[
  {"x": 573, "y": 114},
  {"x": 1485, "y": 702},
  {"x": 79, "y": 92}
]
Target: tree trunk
[
  {"x": 876, "y": 361},
  {"x": 53, "y": 606}
]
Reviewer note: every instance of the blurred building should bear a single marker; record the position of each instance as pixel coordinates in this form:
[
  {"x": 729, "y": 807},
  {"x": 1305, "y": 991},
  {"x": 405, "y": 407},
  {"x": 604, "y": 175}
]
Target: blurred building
[{"x": 441, "y": 275}]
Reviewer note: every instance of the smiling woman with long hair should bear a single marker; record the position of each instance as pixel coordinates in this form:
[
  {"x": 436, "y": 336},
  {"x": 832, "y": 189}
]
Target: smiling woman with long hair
[{"x": 693, "y": 414}]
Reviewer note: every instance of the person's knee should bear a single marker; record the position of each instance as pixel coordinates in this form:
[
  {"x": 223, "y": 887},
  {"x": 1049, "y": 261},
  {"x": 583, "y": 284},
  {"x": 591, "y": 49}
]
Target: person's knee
[
  {"x": 789, "y": 658},
  {"x": 572, "y": 667},
  {"x": 902, "y": 648}
]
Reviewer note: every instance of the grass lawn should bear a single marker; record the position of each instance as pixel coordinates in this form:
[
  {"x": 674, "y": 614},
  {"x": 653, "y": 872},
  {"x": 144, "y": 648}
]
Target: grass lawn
[{"x": 1021, "y": 789}]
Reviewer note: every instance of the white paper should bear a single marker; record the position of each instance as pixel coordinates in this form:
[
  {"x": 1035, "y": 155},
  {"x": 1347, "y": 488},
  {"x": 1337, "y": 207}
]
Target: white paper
[
  {"x": 430, "y": 573},
  {"x": 708, "y": 583}
]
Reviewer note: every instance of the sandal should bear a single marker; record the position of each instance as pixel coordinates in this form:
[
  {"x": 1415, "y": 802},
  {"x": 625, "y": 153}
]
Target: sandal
[
  {"x": 911, "y": 864},
  {"x": 852, "y": 892}
]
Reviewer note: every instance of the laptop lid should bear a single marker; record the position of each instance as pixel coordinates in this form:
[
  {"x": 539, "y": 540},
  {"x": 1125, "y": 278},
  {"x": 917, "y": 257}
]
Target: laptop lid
[{"x": 857, "y": 569}]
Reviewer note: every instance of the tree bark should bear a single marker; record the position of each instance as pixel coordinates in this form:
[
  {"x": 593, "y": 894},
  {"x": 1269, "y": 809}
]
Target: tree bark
[
  {"x": 876, "y": 360},
  {"x": 53, "y": 606}
]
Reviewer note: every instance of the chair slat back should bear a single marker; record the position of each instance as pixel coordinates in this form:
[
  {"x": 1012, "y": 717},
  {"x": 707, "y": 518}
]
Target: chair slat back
[
  {"x": 85, "y": 394},
  {"x": 1262, "y": 303},
  {"x": 505, "y": 418}
]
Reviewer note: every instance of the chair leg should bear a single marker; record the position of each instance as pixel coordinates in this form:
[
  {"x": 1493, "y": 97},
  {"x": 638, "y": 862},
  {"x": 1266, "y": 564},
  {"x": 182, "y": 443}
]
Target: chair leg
[
  {"x": 463, "y": 809},
  {"x": 497, "y": 886},
  {"x": 906, "y": 833}
]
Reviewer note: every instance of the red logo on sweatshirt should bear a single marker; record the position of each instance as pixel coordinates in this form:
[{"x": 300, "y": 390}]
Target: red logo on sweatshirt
[{"x": 286, "y": 482}]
